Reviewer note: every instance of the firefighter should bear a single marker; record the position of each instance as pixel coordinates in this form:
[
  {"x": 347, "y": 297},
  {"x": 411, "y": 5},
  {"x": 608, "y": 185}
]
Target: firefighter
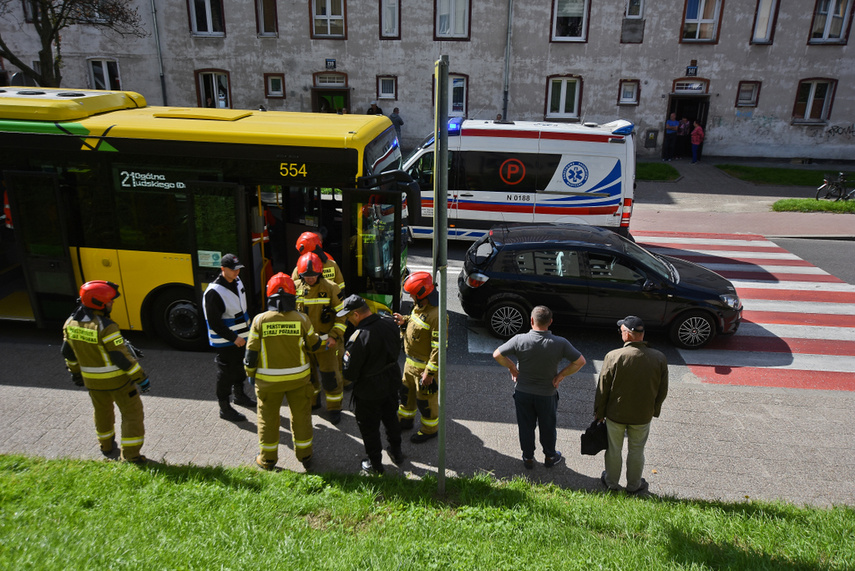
[
  {"x": 98, "y": 358},
  {"x": 319, "y": 299},
  {"x": 312, "y": 242},
  {"x": 224, "y": 305},
  {"x": 276, "y": 357},
  {"x": 420, "y": 385}
]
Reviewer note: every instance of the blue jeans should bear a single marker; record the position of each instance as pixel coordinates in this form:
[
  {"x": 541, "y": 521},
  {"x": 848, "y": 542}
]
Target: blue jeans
[
  {"x": 531, "y": 411},
  {"x": 695, "y": 149}
]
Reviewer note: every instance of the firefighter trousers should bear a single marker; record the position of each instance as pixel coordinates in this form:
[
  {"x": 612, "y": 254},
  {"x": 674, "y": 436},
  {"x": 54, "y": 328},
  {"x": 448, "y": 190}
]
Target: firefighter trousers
[
  {"x": 127, "y": 398},
  {"x": 328, "y": 364},
  {"x": 415, "y": 397},
  {"x": 270, "y": 399}
]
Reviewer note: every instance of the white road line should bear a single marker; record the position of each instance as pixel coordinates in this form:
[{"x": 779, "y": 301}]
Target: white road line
[
  {"x": 804, "y": 307},
  {"x": 784, "y": 331},
  {"x": 807, "y": 270},
  {"x": 726, "y": 254},
  {"x": 788, "y": 285},
  {"x": 798, "y": 361},
  {"x": 643, "y": 239}
]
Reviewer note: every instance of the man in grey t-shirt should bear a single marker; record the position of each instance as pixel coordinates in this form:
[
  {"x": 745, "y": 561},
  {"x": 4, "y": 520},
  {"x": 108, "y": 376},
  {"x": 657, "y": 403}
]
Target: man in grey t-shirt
[{"x": 536, "y": 376}]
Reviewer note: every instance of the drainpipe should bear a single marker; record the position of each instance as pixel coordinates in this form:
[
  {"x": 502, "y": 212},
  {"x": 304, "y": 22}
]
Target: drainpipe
[
  {"x": 159, "y": 52},
  {"x": 507, "y": 79}
]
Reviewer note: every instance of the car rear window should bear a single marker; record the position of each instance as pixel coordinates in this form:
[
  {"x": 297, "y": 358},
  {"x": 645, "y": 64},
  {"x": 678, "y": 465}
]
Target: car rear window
[{"x": 481, "y": 251}]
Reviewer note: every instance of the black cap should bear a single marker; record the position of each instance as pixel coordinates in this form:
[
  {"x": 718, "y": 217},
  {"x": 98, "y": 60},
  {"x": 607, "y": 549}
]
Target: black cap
[
  {"x": 352, "y": 303},
  {"x": 231, "y": 262},
  {"x": 632, "y": 323}
]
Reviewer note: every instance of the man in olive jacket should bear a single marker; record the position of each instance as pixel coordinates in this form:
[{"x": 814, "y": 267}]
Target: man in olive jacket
[{"x": 633, "y": 384}]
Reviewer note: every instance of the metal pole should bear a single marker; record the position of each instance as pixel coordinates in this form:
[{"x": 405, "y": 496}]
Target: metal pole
[
  {"x": 159, "y": 51},
  {"x": 440, "y": 240},
  {"x": 507, "y": 79}
]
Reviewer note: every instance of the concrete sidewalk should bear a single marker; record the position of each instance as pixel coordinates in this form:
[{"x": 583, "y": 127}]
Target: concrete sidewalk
[{"x": 706, "y": 199}]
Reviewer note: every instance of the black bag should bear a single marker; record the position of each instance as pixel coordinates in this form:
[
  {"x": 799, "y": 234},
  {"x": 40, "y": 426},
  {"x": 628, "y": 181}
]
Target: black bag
[{"x": 595, "y": 439}]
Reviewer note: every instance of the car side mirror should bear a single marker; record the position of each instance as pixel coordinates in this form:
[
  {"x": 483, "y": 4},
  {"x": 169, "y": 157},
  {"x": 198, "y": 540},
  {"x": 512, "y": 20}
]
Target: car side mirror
[{"x": 650, "y": 285}]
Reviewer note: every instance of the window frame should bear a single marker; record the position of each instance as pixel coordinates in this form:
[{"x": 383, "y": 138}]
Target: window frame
[
  {"x": 716, "y": 22},
  {"x": 397, "y": 32},
  {"x": 583, "y": 38},
  {"x": 451, "y": 111},
  {"x": 31, "y": 11},
  {"x": 260, "y": 13},
  {"x": 844, "y": 27},
  {"x": 269, "y": 93},
  {"x": 467, "y": 24},
  {"x": 755, "y": 100},
  {"x": 561, "y": 116},
  {"x": 827, "y": 105},
  {"x": 636, "y": 96},
  {"x": 105, "y": 61},
  {"x": 771, "y": 23},
  {"x": 194, "y": 25},
  {"x": 380, "y": 93},
  {"x": 199, "y": 74},
  {"x": 640, "y": 14},
  {"x": 313, "y": 33}
]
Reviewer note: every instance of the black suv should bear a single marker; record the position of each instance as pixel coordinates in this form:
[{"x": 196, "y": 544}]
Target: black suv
[{"x": 591, "y": 276}]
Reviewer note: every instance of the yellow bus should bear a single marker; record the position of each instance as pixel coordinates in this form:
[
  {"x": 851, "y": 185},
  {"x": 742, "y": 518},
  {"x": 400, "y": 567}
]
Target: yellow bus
[{"x": 98, "y": 185}]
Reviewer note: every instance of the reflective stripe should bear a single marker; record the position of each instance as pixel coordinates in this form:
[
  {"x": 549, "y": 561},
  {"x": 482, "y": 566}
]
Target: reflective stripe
[
  {"x": 430, "y": 422},
  {"x": 265, "y": 447},
  {"x": 315, "y": 300},
  {"x": 419, "y": 321},
  {"x": 416, "y": 363},
  {"x": 286, "y": 371},
  {"x": 334, "y": 398},
  {"x": 402, "y": 412},
  {"x": 132, "y": 441},
  {"x": 341, "y": 326},
  {"x": 105, "y": 435},
  {"x": 111, "y": 337},
  {"x": 97, "y": 370},
  {"x": 303, "y": 443}
]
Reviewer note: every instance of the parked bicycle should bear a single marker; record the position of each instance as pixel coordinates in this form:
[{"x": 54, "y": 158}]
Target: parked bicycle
[{"x": 834, "y": 188}]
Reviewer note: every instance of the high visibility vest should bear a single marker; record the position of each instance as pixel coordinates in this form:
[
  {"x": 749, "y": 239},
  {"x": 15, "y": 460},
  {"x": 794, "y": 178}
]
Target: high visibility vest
[{"x": 234, "y": 317}]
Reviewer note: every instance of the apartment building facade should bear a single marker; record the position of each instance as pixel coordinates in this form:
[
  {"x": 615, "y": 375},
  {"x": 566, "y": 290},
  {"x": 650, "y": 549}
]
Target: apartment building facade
[{"x": 766, "y": 78}]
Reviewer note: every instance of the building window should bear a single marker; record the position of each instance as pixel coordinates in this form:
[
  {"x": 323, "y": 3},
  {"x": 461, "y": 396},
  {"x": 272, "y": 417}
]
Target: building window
[
  {"x": 213, "y": 89},
  {"x": 330, "y": 80},
  {"x": 274, "y": 85},
  {"x": 562, "y": 99},
  {"x": 813, "y": 100},
  {"x": 701, "y": 21},
  {"x": 104, "y": 74},
  {"x": 452, "y": 19},
  {"x": 628, "y": 93},
  {"x": 764, "y": 21},
  {"x": 206, "y": 18},
  {"x": 31, "y": 11},
  {"x": 570, "y": 20},
  {"x": 387, "y": 87},
  {"x": 265, "y": 18},
  {"x": 457, "y": 95},
  {"x": 748, "y": 94},
  {"x": 635, "y": 9},
  {"x": 390, "y": 19},
  {"x": 830, "y": 22},
  {"x": 328, "y": 19}
]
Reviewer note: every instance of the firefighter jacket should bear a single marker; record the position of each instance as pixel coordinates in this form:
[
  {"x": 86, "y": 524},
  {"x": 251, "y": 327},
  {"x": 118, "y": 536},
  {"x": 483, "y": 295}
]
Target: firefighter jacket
[
  {"x": 276, "y": 349},
  {"x": 332, "y": 273},
  {"x": 421, "y": 338},
  {"x": 321, "y": 302},
  {"x": 94, "y": 347},
  {"x": 224, "y": 305}
]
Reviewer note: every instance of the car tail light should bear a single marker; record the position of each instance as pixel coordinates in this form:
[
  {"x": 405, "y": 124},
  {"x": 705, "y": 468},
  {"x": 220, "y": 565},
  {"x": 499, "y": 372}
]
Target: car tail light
[
  {"x": 625, "y": 213},
  {"x": 476, "y": 279}
]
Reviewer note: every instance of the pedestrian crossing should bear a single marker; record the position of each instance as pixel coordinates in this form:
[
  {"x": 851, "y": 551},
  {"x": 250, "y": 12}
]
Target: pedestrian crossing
[{"x": 797, "y": 322}]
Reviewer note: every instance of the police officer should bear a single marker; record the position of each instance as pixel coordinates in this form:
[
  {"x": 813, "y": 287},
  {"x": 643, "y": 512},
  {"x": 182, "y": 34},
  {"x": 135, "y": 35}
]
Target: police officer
[
  {"x": 420, "y": 384},
  {"x": 371, "y": 363},
  {"x": 312, "y": 242},
  {"x": 224, "y": 304},
  {"x": 98, "y": 358},
  {"x": 276, "y": 358},
  {"x": 319, "y": 299}
]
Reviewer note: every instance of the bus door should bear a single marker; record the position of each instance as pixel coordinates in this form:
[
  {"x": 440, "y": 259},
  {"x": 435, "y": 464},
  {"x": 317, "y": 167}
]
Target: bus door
[
  {"x": 374, "y": 245},
  {"x": 40, "y": 213}
]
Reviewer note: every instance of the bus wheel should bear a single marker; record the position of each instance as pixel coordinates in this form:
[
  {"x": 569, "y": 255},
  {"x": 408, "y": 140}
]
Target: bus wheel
[
  {"x": 507, "y": 318},
  {"x": 178, "y": 320}
]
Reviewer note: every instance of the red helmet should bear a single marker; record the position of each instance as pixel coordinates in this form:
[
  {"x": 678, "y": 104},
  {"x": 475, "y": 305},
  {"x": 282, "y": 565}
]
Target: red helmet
[
  {"x": 419, "y": 285},
  {"x": 98, "y": 293},
  {"x": 280, "y": 283},
  {"x": 309, "y": 264},
  {"x": 308, "y": 242}
]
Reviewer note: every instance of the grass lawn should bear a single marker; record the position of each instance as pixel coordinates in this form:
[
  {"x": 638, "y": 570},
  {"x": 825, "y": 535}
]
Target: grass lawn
[
  {"x": 777, "y": 176},
  {"x": 655, "y": 171},
  {"x": 813, "y": 205},
  {"x": 75, "y": 514}
]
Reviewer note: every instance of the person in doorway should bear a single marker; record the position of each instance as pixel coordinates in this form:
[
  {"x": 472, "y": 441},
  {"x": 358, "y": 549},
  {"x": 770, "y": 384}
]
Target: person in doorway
[
  {"x": 684, "y": 138},
  {"x": 671, "y": 125},
  {"x": 374, "y": 109},
  {"x": 697, "y": 141},
  {"x": 371, "y": 363},
  {"x": 397, "y": 122},
  {"x": 225, "y": 309},
  {"x": 633, "y": 384},
  {"x": 99, "y": 358},
  {"x": 536, "y": 379}
]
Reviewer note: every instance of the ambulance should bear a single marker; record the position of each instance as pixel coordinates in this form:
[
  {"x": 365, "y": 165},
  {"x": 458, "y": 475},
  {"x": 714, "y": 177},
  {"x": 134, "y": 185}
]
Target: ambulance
[{"x": 529, "y": 172}]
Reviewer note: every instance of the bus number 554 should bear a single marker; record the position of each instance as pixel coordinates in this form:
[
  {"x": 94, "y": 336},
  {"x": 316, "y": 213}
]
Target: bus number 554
[{"x": 292, "y": 169}]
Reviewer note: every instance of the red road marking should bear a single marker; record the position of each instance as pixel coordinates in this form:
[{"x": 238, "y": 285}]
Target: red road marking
[
  {"x": 783, "y": 345},
  {"x": 785, "y": 378},
  {"x": 783, "y": 318},
  {"x": 797, "y": 295}
]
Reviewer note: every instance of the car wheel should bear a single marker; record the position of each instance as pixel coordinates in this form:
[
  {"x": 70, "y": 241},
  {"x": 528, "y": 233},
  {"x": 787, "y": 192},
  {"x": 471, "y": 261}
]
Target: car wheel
[
  {"x": 178, "y": 321},
  {"x": 507, "y": 318},
  {"x": 692, "y": 330}
]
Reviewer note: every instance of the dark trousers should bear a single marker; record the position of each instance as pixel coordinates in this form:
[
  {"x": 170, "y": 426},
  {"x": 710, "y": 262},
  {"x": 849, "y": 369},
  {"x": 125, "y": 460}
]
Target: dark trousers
[
  {"x": 670, "y": 145},
  {"x": 369, "y": 414},
  {"x": 534, "y": 410},
  {"x": 230, "y": 371}
]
